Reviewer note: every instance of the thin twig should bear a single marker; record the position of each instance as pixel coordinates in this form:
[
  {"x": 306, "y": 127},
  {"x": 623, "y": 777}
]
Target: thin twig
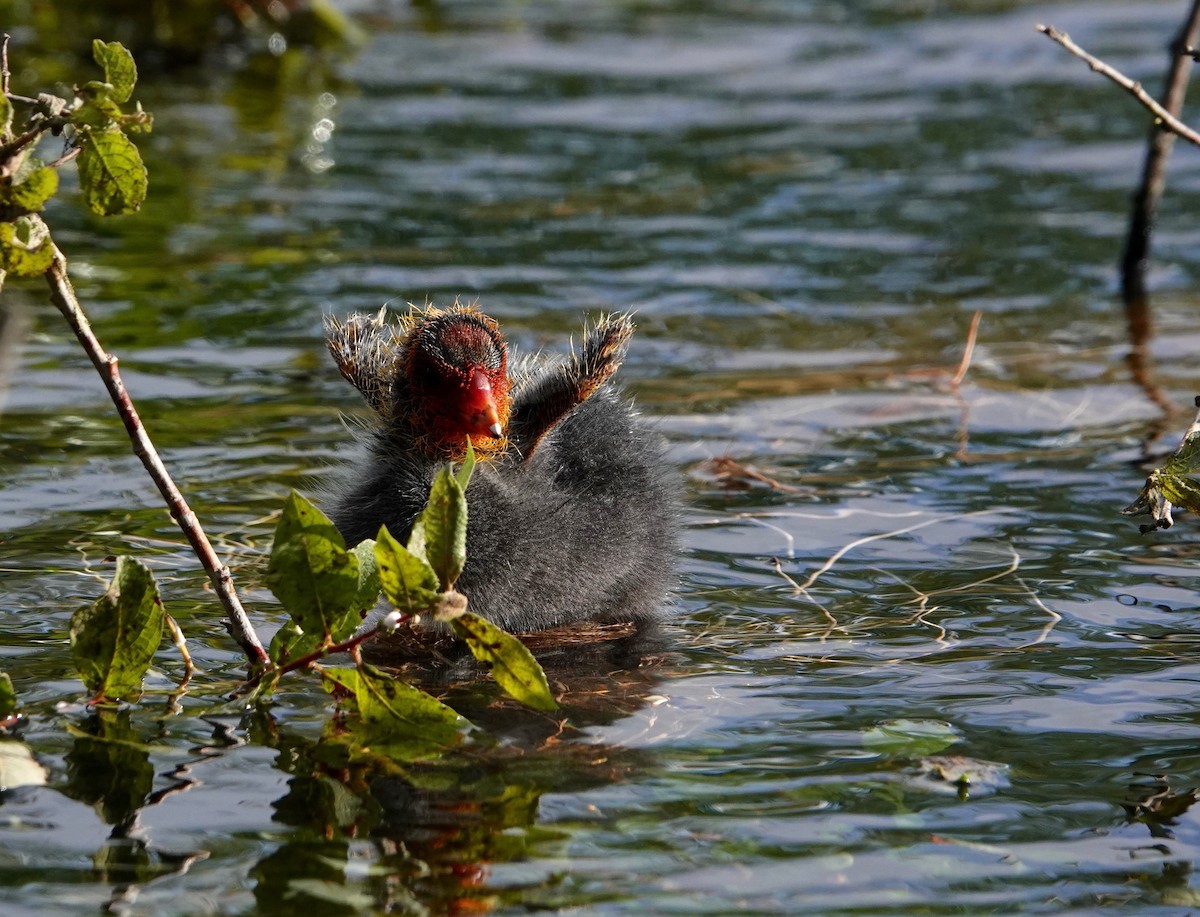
[
  {"x": 1134, "y": 88},
  {"x": 1154, "y": 178},
  {"x": 180, "y": 642},
  {"x": 969, "y": 350},
  {"x": 236, "y": 622},
  {"x": 4, "y": 74}
]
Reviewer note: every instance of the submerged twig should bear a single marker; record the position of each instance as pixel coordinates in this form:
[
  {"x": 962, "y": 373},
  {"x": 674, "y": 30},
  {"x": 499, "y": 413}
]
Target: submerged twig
[{"x": 63, "y": 295}]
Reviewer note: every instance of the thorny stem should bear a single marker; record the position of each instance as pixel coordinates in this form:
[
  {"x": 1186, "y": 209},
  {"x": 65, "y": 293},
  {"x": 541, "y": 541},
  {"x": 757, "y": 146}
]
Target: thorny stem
[{"x": 236, "y": 622}]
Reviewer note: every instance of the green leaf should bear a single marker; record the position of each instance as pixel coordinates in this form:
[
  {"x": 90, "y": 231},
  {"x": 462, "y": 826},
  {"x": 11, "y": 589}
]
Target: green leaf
[
  {"x": 311, "y": 572},
  {"x": 31, "y": 187},
  {"x": 408, "y": 582},
  {"x": 910, "y": 737},
  {"x": 113, "y": 641},
  {"x": 8, "y": 697},
  {"x": 463, "y": 475},
  {"x": 1174, "y": 484},
  {"x": 6, "y": 116},
  {"x": 290, "y": 643},
  {"x": 120, "y": 72},
  {"x": 397, "y": 715},
  {"x": 368, "y": 577},
  {"x": 443, "y": 528},
  {"x": 111, "y": 173},
  {"x": 510, "y": 662},
  {"x": 25, "y": 246}
]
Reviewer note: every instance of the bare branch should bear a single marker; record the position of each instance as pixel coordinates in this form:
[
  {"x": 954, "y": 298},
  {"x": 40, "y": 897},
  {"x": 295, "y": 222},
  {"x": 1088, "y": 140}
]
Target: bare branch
[
  {"x": 1134, "y": 88},
  {"x": 238, "y": 625}
]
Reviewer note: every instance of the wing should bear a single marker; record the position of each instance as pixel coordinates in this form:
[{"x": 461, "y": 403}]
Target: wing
[{"x": 548, "y": 396}]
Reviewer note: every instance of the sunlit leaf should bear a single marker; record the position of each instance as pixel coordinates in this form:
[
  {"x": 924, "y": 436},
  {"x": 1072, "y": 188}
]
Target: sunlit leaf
[
  {"x": 443, "y": 527},
  {"x": 408, "y": 582},
  {"x": 291, "y": 643},
  {"x": 31, "y": 187},
  {"x": 8, "y": 697},
  {"x": 120, "y": 72},
  {"x": 311, "y": 572},
  {"x": 114, "y": 640},
  {"x": 25, "y": 246},
  {"x": 368, "y": 577},
  {"x": 1174, "y": 484},
  {"x": 510, "y": 662},
  {"x": 111, "y": 173},
  {"x": 408, "y": 721},
  {"x": 910, "y": 737},
  {"x": 463, "y": 475}
]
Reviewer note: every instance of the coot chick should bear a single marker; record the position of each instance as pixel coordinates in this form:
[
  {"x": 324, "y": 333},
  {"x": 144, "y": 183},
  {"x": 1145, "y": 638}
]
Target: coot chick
[{"x": 572, "y": 509}]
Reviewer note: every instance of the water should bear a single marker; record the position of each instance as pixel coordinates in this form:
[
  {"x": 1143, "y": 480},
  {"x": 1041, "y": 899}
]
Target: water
[{"x": 805, "y": 202}]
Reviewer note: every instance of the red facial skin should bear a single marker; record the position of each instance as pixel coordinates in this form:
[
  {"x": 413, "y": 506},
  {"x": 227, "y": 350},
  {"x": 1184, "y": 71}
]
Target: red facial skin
[{"x": 455, "y": 366}]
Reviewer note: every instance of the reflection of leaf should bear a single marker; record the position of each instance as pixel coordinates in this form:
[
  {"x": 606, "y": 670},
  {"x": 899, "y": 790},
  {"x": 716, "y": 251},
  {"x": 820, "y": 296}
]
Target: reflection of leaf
[
  {"x": 120, "y": 72},
  {"x": 510, "y": 662},
  {"x": 312, "y": 573},
  {"x": 18, "y": 766},
  {"x": 111, "y": 173},
  {"x": 1174, "y": 484},
  {"x": 408, "y": 582},
  {"x": 396, "y": 715},
  {"x": 909, "y": 737},
  {"x": 108, "y": 766},
  {"x": 113, "y": 641}
]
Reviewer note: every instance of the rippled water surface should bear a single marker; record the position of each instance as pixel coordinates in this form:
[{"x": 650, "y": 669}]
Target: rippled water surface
[{"x": 805, "y": 203}]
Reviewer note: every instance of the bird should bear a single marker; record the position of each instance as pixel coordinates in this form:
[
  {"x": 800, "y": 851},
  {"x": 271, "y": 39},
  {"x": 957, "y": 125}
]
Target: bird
[{"x": 573, "y": 509}]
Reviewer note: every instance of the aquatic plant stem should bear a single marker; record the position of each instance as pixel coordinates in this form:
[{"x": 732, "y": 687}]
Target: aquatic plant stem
[{"x": 62, "y": 293}]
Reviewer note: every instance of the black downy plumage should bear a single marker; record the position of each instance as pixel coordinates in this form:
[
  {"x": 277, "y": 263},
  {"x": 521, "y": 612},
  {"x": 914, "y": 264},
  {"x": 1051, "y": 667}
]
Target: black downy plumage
[{"x": 572, "y": 509}]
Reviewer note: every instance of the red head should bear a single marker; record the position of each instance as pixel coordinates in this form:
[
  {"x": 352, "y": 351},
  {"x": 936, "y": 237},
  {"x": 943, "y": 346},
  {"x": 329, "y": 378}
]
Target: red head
[{"x": 455, "y": 370}]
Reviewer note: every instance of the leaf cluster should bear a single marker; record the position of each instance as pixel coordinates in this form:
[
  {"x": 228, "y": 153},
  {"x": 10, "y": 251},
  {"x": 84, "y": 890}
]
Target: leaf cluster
[{"x": 112, "y": 176}]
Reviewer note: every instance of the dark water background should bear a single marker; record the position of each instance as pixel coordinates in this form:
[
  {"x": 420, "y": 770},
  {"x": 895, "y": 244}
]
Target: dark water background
[{"x": 805, "y": 202}]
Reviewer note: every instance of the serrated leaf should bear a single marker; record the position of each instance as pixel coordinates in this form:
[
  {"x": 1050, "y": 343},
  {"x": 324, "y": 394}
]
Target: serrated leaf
[
  {"x": 367, "y": 595},
  {"x": 910, "y": 737},
  {"x": 31, "y": 187},
  {"x": 114, "y": 640},
  {"x": 291, "y": 643},
  {"x": 510, "y": 662},
  {"x": 408, "y": 582},
  {"x": 111, "y": 173},
  {"x": 310, "y": 571},
  {"x": 25, "y": 246},
  {"x": 405, "y": 719},
  {"x": 443, "y": 527},
  {"x": 463, "y": 475},
  {"x": 8, "y": 697},
  {"x": 120, "y": 72},
  {"x": 1174, "y": 484}
]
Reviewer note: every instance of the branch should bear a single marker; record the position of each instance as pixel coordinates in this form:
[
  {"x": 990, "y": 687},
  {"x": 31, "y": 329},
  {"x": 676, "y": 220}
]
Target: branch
[
  {"x": 1166, "y": 119},
  {"x": 236, "y": 622}
]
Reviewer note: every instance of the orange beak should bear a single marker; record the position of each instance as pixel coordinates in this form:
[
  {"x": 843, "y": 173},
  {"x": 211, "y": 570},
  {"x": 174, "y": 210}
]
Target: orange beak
[{"x": 479, "y": 407}]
